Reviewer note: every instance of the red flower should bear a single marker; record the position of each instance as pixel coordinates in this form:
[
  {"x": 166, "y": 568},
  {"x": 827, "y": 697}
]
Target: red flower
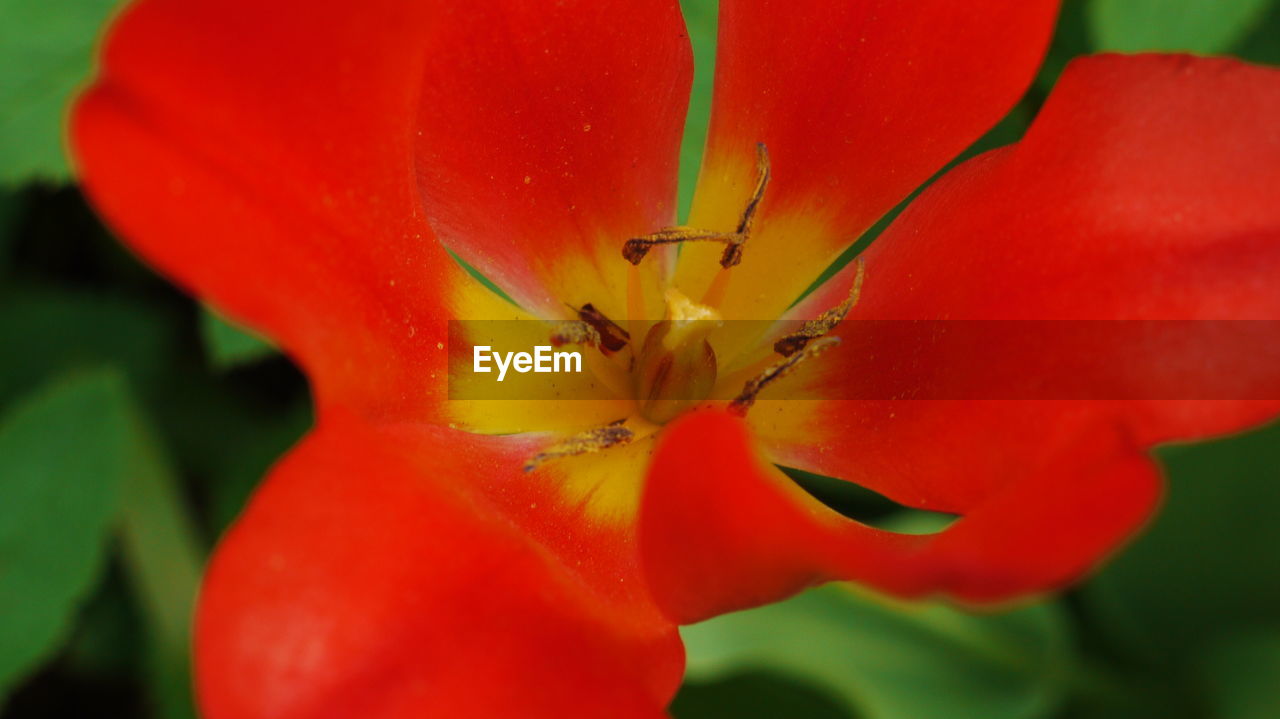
[{"x": 303, "y": 165}]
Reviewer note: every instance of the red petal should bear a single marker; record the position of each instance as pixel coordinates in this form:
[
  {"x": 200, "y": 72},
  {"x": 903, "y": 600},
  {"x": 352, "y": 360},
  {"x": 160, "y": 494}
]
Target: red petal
[
  {"x": 364, "y": 582},
  {"x": 858, "y": 103},
  {"x": 277, "y": 175},
  {"x": 1076, "y": 503},
  {"x": 261, "y": 156},
  {"x": 549, "y": 133},
  {"x": 1144, "y": 191}
]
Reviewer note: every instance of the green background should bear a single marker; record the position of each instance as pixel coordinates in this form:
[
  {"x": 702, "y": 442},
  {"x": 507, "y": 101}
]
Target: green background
[{"x": 134, "y": 424}]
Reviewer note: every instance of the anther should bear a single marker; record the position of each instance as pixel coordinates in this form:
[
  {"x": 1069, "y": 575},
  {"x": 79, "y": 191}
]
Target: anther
[
  {"x": 591, "y": 328},
  {"x": 612, "y": 336},
  {"x": 777, "y": 371},
  {"x": 589, "y": 442},
  {"x": 574, "y": 332},
  {"x": 635, "y": 249},
  {"x": 824, "y": 322}
]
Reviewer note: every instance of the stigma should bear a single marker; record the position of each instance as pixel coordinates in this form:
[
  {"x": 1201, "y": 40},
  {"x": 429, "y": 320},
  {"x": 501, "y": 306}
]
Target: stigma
[{"x": 676, "y": 367}]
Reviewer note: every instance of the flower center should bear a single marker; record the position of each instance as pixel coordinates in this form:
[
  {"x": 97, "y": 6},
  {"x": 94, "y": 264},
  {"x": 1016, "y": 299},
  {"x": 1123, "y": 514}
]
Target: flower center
[{"x": 676, "y": 366}]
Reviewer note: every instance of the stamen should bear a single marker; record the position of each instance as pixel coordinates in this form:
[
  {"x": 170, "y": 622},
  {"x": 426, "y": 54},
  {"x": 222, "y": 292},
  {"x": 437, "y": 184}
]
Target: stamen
[
  {"x": 574, "y": 332},
  {"x": 591, "y": 328},
  {"x": 824, "y": 322},
  {"x": 635, "y": 249},
  {"x": 762, "y": 179},
  {"x": 612, "y": 336},
  {"x": 636, "y": 320},
  {"x": 778, "y": 370},
  {"x": 589, "y": 442}
]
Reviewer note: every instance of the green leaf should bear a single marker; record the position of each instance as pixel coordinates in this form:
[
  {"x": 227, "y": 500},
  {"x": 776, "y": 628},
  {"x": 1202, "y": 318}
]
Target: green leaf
[
  {"x": 107, "y": 644},
  {"x": 1262, "y": 46},
  {"x": 1203, "y": 26},
  {"x": 1070, "y": 40},
  {"x": 754, "y": 695},
  {"x": 888, "y": 659},
  {"x": 228, "y": 345},
  {"x": 8, "y": 217},
  {"x": 52, "y": 331},
  {"x": 1240, "y": 675},
  {"x": 45, "y": 55},
  {"x": 163, "y": 556},
  {"x": 478, "y": 276},
  {"x": 1208, "y": 565},
  {"x": 64, "y": 452},
  {"x": 700, "y": 17}
]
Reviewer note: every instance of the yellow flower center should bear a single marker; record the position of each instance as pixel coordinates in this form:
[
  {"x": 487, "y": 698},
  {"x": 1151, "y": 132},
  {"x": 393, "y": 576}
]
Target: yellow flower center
[
  {"x": 676, "y": 366},
  {"x": 637, "y": 374}
]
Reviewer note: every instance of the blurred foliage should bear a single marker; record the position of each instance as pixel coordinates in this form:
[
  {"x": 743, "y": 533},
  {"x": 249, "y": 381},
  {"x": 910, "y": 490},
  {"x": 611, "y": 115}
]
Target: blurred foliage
[
  {"x": 700, "y": 19},
  {"x": 229, "y": 345},
  {"x": 45, "y": 54},
  {"x": 164, "y": 556},
  {"x": 162, "y": 417},
  {"x": 64, "y": 453},
  {"x": 875, "y": 654},
  {"x": 1203, "y": 26},
  {"x": 754, "y": 694},
  {"x": 71, "y": 298},
  {"x": 1240, "y": 674},
  {"x": 1185, "y": 581}
]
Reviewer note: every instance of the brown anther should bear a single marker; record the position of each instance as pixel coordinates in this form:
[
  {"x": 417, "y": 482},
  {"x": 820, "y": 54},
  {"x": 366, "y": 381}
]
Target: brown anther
[
  {"x": 824, "y": 322},
  {"x": 778, "y": 370},
  {"x": 574, "y": 332},
  {"x": 635, "y": 249},
  {"x": 612, "y": 336},
  {"x": 591, "y": 328},
  {"x": 589, "y": 442}
]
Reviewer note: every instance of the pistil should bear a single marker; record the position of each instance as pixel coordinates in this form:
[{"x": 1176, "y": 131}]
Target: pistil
[{"x": 676, "y": 368}]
